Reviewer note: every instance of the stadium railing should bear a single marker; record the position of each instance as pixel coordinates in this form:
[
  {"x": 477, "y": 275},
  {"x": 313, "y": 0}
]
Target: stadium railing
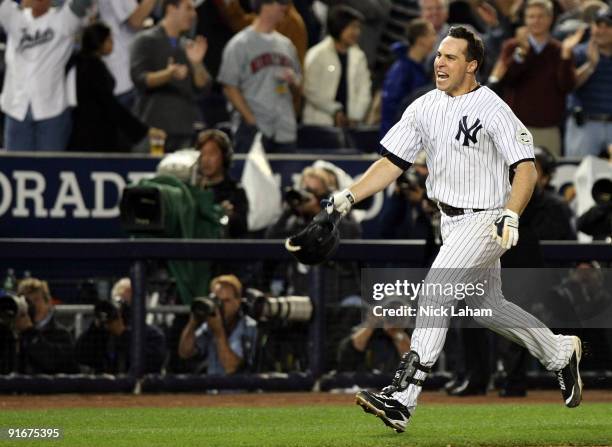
[{"x": 138, "y": 251}]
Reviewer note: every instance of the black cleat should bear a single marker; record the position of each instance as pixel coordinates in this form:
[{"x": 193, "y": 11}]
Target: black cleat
[
  {"x": 389, "y": 410},
  {"x": 569, "y": 377}
]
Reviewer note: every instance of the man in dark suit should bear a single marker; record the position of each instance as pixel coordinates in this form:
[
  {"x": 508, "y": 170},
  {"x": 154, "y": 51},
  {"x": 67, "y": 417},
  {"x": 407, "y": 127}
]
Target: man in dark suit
[{"x": 45, "y": 346}]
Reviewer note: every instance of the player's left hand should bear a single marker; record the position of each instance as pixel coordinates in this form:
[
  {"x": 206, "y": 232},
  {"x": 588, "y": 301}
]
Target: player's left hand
[
  {"x": 341, "y": 201},
  {"x": 506, "y": 229}
]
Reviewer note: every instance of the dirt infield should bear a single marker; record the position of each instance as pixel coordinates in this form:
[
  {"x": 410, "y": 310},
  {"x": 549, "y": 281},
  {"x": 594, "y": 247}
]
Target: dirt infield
[{"x": 40, "y": 402}]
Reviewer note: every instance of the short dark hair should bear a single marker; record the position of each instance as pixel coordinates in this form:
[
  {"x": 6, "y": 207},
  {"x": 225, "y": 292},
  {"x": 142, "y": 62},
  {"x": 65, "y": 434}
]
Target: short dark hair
[
  {"x": 94, "y": 37},
  {"x": 166, "y": 3},
  {"x": 546, "y": 160},
  {"x": 415, "y": 29},
  {"x": 340, "y": 17},
  {"x": 257, "y": 4},
  {"x": 475, "y": 47}
]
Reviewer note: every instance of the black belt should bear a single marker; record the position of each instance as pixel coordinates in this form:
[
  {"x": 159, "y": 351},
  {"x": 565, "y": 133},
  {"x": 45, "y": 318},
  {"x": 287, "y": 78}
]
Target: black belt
[
  {"x": 452, "y": 211},
  {"x": 599, "y": 117}
]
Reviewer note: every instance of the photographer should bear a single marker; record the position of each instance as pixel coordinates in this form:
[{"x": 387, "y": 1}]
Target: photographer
[
  {"x": 217, "y": 330},
  {"x": 369, "y": 348},
  {"x": 548, "y": 215},
  {"x": 301, "y": 205},
  {"x": 45, "y": 347},
  {"x": 213, "y": 173},
  {"x": 408, "y": 213},
  {"x": 597, "y": 221},
  {"x": 105, "y": 346}
]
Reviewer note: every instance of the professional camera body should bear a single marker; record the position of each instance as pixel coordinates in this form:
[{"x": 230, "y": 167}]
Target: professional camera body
[
  {"x": 105, "y": 311},
  {"x": 262, "y": 308},
  {"x": 411, "y": 180},
  {"x": 164, "y": 206},
  {"x": 602, "y": 192},
  {"x": 205, "y": 306},
  {"x": 294, "y": 197},
  {"x": 11, "y": 306}
]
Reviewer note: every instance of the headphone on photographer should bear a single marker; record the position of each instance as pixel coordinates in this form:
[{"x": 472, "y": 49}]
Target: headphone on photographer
[{"x": 223, "y": 143}]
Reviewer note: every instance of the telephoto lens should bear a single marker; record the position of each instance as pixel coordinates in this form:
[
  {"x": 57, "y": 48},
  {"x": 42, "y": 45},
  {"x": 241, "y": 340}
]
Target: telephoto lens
[{"x": 11, "y": 306}]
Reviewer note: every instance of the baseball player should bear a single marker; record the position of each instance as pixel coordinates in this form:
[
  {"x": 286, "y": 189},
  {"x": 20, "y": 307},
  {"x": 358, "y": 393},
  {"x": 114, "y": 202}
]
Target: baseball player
[{"x": 471, "y": 138}]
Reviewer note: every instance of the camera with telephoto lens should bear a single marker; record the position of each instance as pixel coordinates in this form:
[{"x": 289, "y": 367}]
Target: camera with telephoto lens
[
  {"x": 260, "y": 307},
  {"x": 11, "y": 306},
  {"x": 281, "y": 309},
  {"x": 205, "y": 306},
  {"x": 602, "y": 191},
  {"x": 295, "y": 197},
  {"x": 411, "y": 180},
  {"x": 105, "y": 311}
]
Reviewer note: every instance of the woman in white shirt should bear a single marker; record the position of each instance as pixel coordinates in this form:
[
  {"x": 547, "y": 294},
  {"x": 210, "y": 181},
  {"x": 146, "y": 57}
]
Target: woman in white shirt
[{"x": 336, "y": 76}]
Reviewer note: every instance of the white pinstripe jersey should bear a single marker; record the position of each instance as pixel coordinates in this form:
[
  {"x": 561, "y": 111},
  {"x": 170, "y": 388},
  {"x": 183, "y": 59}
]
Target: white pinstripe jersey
[
  {"x": 470, "y": 141},
  {"x": 37, "y": 51}
]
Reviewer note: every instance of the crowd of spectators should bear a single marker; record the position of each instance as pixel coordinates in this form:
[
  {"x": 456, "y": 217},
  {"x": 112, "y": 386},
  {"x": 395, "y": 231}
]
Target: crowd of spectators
[
  {"x": 112, "y": 75},
  {"x": 180, "y": 65}
]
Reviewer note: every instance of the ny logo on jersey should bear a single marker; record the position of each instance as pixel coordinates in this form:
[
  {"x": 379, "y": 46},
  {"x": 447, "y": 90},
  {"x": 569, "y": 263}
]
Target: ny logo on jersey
[{"x": 469, "y": 133}]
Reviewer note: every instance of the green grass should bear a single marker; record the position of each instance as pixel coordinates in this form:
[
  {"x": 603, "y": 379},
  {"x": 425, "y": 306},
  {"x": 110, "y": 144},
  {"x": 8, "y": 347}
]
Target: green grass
[{"x": 434, "y": 425}]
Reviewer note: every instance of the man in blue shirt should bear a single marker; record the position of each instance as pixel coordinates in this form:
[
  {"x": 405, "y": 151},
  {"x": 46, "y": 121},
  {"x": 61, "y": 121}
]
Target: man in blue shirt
[
  {"x": 589, "y": 130},
  {"x": 408, "y": 73},
  {"x": 227, "y": 339}
]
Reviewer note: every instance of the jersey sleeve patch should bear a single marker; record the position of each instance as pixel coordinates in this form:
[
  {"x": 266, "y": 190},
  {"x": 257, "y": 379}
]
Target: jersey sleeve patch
[{"x": 523, "y": 136}]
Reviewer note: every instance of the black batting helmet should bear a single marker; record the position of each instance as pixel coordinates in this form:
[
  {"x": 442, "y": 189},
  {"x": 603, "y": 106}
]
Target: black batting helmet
[{"x": 318, "y": 241}]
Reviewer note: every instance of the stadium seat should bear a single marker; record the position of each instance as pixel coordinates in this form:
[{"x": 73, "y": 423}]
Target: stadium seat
[
  {"x": 320, "y": 137},
  {"x": 364, "y": 138}
]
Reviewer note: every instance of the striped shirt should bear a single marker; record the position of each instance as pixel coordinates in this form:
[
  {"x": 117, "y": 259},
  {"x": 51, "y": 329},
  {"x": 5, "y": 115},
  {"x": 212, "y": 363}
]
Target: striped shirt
[{"x": 470, "y": 141}]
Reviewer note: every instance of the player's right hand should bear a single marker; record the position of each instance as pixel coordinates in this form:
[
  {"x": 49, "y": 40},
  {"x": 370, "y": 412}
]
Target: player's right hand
[
  {"x": 342, "y": 202},
  {"x": 505, "y": 229}
]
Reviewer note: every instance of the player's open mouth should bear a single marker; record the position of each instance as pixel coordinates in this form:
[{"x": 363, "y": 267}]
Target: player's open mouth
[{"x": 441, "y": 75}]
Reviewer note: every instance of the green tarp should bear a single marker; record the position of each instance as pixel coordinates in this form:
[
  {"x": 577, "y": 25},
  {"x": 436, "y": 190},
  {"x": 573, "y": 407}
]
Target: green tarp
[{"x": 189, "y": 213}]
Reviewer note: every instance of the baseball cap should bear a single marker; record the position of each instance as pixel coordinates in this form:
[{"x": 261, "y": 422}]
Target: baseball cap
[{"x": 604, "y": 15}]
